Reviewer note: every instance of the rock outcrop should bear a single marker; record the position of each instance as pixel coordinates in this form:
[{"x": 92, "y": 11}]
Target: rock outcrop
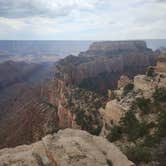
[
  {"x": 66, "y": 148},
  {"x": 161, "y": 63},
  {"x": 148, "y": 85},
  {"x": 114, "y": 47},
  {"x": 101, "y": 66},
  {"x": 123, "y": 81},
  {"x": 144, "y": 86}
]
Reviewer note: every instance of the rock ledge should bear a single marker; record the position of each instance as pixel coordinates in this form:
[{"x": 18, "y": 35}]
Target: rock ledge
[{"x": 66, "y": 148}]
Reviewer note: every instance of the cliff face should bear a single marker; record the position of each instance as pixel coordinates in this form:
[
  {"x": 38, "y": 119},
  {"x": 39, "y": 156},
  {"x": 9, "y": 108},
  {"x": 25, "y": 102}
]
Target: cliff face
[
  {"x": 100, "y": 67},
  {"x": 135, "y": 119},
  {"x": 76, "y": 108},
  {"x": 66, "y": 148},
  {"x": 77, "y": 79}
]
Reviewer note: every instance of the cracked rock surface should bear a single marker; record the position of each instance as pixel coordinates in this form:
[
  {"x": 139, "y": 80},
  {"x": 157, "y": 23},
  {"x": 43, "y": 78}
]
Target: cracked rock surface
[{"x": 68, "y": 147}]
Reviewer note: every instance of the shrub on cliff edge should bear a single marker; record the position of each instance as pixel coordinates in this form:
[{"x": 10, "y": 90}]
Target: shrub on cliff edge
[
  {"x": 128, "y": 88},
  {"x": 132, "y": 127},
  {"x": 115, "y": 133},
  {"x": 160, "y": 94},
  {"x": 138, "y": 154}
]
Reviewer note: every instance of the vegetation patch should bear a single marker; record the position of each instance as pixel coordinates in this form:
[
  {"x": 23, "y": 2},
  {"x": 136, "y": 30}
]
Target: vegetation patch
[
  {"x": 150, "y": 72},
  {"x": 89, "y": 121},
  {"x": 161, "y": 127},
  {"x": 132, "y": 127},
  {"x": 115, "y": 133},
  {"x": 138, "y": 154},
  {"x": 160, "y": 95},
  {"x": 128, "y": 88},
  {"x": 143, "y": 104}
]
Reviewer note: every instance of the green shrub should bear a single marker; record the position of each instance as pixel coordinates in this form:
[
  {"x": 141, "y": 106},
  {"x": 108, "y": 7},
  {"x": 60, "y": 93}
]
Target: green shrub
[
  {"x": 150, "y": 72},
  {"x": 160, "y": 153},
  {"x": 161, "y": 127},
  {"x": 151, "y": 140},
  {"x": 128, "y": 88},
  {"x": 142, "y": 129},
  {"x": 132, "y": 127},
  {"x": 128, "y": 120},
  {"x": 89, "y": 122},
  {"x": 138, "y": 154},
  {"x": 160, "y": 94},
  {"x": 143, "y": 104},
  {"x": 115, "y": 133}
]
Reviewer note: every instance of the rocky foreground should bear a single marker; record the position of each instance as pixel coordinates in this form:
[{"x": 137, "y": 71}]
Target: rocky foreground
[{"x": 66, "y": 148}]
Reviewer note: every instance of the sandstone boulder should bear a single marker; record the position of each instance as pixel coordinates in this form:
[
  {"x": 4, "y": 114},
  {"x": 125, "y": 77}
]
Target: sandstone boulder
[{"x": 66, "y": 148}]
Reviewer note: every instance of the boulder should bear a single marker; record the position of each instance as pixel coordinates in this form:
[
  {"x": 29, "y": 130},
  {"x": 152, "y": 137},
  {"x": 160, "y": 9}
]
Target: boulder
[{"x": 68, "y": 147}]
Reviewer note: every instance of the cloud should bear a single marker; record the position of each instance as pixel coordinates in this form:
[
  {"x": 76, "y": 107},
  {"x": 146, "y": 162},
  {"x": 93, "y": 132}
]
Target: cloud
[
  {"x": 82, "y": 19},
  {"x": 29, "y": 8},
  {"x": 43, "y": 8}
]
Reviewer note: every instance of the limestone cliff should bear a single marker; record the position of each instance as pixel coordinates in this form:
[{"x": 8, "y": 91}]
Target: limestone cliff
[
  {"x": 107, "y": 47},
  {"x": 101, "y": 66}
]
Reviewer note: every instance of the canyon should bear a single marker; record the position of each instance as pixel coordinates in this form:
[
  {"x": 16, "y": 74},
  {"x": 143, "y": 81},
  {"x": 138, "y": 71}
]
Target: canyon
[
  {"x": 91, "y": 92},
  {"x": 74, "y": 95}
]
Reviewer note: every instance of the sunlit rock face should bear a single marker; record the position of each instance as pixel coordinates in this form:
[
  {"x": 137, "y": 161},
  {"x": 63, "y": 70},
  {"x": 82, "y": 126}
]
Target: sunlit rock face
[
  {"x": 66, "y": 148},
  {"x": 161, "y": 63},
  {"x": 144, "y": 86},
  {"x": 123, "y": 81}
]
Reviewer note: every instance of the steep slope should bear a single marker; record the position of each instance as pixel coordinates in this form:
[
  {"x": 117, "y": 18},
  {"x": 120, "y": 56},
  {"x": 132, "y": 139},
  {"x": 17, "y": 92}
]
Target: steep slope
[
  {"x": 26, "y": 116},
  {"x": 18, "y": 72}
]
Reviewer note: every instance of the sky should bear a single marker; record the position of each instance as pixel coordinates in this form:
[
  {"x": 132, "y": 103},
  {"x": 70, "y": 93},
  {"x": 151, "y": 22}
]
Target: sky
[{"x": 82, "y": 19}]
